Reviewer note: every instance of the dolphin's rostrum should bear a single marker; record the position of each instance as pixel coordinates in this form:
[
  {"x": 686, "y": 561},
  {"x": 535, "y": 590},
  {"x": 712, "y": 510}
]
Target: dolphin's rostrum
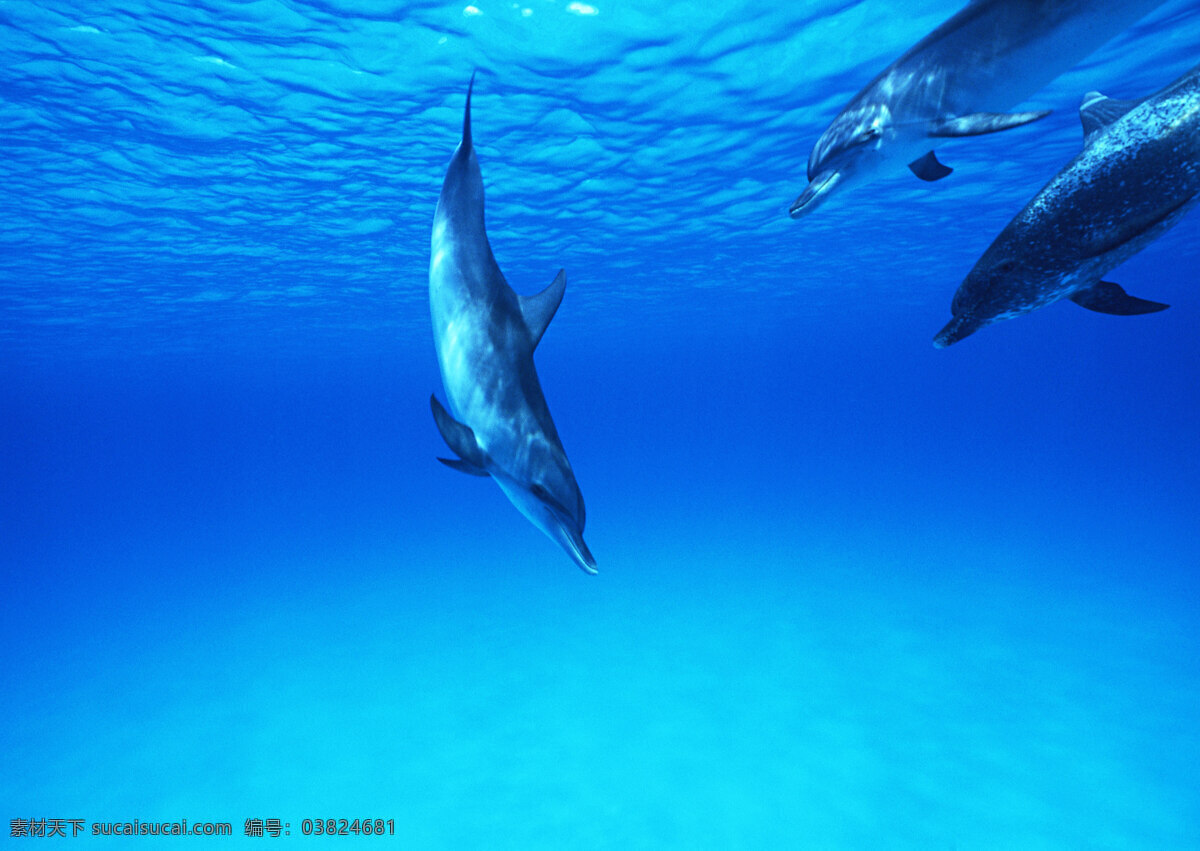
[
  {"x": 1138, "y": 173},
  {"x": 958, "y": 81},
  {"x": 485, "y": 335}
]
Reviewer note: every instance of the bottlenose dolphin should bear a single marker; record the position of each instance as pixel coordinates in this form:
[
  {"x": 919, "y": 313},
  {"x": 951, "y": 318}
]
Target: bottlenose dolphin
[
  {"x": 485, "y": 335},
  {"x": 1137, "y": 175},
  {"x": 958, "y": 81}
]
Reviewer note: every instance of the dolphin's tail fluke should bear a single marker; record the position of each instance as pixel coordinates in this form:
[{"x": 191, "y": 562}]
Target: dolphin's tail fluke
[{"x": 466, "y": 139}]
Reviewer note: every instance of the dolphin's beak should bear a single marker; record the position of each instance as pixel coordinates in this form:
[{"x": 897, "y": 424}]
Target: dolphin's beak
[
  {"x": 580, "y": 552},
  {"x": 959, "y": 327},
  {"x": 818, "y": 188},
  {"x": 571, "y": 540}
]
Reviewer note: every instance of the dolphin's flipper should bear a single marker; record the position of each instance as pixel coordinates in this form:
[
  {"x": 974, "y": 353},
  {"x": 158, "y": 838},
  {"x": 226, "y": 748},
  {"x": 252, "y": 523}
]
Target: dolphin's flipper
[
  {"x": 458, "y": 437},
  {"x": 929, "y": 168},
  {"x": 463, "y": 467},
  {"x": 1096, "y": 112},
  {"x": 539, "y": 309},
  {"x": 1107, "y": 297},
  {"x": 978, "y": 123}
]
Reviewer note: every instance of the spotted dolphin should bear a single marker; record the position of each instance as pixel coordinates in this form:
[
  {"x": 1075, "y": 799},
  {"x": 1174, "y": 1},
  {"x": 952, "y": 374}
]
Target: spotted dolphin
[
  {"x": 499, "y": 424},
  {"x": 1137, "y": 175},
  {"x": 959, "y": 80}
]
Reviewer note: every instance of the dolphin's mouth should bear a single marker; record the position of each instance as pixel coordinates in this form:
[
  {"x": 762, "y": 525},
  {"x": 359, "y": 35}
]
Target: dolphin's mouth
[
  {"x": 571, "y": 540},
  {"x": 583, "y": 556},
  {"x": 956, "y": 329},
  {"x": 819, "y": 187}
]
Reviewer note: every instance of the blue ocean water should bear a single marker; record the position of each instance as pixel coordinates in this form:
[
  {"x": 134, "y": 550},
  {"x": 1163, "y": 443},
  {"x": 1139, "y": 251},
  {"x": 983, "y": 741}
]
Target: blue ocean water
[{"x": 853, "y": 593}]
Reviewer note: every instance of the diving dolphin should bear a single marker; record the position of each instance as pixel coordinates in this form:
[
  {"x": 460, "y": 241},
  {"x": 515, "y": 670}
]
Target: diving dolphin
[
  {"x": 1138, "y": 173},
  {"x": 485, "y": 335},
  {"x": 958, "y": 81}
]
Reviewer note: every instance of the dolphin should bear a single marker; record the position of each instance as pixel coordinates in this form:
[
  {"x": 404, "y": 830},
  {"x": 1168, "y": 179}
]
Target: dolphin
[
  {"x": 958, "y": 81},
  {"x": 485, "y": 335},
  {"x": 1137, "y": 175}
]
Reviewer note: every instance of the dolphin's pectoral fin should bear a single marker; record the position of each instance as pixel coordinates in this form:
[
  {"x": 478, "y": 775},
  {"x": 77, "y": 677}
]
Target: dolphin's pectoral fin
[
  {"x": 929, "y": 168},
  {"x": 539, "y": 309},
  {"x": 460, "y": 438},
  {"x": 978, "y": 123},
  {"x": 1107, "y": 297},
  {"x": 1096, "y": 112},
  {"x": 463, "y": 467}
]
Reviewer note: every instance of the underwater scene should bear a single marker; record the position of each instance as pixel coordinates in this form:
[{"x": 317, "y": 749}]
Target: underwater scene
[{"x": 854, "y": 501}]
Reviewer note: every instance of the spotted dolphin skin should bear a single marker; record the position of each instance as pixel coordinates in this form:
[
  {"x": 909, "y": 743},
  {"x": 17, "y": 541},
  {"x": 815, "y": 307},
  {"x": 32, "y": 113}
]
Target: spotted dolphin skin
[
  {"x": 485, "y": 335},
  {"x": 1138, "y": 174},
  {"x": 958, "y": 81}
]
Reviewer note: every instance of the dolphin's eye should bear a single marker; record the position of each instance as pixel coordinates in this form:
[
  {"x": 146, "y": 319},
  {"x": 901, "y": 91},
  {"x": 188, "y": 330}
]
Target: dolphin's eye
[
  {"x": 870, "y": 134},
  {"x": 1006, "y": 267},
  {"x": 540, "y": 492}
]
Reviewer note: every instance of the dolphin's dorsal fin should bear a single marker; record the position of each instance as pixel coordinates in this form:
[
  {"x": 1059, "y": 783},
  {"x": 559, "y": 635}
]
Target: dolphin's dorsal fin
[
  {"x": 461, "y": 439},
  {"x": 1097, "y": 112},
  {"x": 539, "y": 309},
  {"x": 1107, "y": 297},
  {"x": 978, "y": 123}
]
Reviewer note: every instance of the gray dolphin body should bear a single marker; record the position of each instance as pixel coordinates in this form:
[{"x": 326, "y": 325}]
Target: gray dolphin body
[
  {"x": 1138, "y": 174},
  {"x": 958, "y": 81},
  {"x": 485, "y": 335}
]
